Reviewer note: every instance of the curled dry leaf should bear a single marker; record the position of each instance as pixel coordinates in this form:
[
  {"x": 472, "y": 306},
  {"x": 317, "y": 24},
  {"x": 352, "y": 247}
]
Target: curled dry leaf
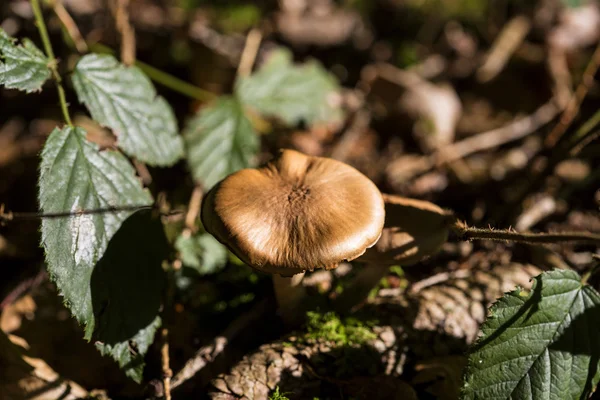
[
  {"x": 578, "y": 28},
  {"x": 297, "y": 213},
  {"x": 413, "y": 230},
  {"x": 24, "y": 377}
]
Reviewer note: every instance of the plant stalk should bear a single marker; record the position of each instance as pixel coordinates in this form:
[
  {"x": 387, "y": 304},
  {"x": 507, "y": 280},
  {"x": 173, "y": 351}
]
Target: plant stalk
[
  {"x": 53, "y": 65},
  {"x": 466, "y": 232}
]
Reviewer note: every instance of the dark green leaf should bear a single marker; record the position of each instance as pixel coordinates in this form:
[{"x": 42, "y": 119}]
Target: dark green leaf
[
  {"x": 126, "y": 288},
  {"x": 123, "y": 99},
  {"x": 544, "y": 346},
  {"x": 75, "y": 176},
  {"x": 202, "y": 252},
  {"x": 219, "y": 140},
  {"x": 291, "y": 93},
  {"x": 22, "y": 67}
]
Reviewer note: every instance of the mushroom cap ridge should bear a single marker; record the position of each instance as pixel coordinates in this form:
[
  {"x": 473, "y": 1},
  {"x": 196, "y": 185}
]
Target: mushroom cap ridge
[{"x": 296, "y": 213}]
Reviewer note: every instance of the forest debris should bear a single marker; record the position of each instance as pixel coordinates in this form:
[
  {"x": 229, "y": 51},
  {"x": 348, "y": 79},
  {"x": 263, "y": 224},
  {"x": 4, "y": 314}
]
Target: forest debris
[
  {"x": 10, "y": 319},
  {"x": 317, "y": 23},
  {"x": 578, "y": 27},
  {"x": 22, "y": 376},
  {"x": 436, "y": 322},
  {"x": 435, "y": 108}
]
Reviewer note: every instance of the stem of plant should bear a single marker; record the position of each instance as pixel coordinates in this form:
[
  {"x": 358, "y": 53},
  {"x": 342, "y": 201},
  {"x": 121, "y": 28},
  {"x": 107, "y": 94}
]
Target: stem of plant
[
  {"x": 163, "y": 78},
  {"x": 465, "y": 232},
  {"x": 53, "y": 65}
]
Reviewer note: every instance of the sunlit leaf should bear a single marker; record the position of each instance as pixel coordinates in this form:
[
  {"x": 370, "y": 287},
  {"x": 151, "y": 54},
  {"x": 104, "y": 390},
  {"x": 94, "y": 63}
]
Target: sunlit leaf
[
  {"x": 219, "y": 141},
  {"x": 22, "y": 67},
  {"x": 292, "y": 93},
  {"x": 75, "y": 176},
  {"x": 543, "y": 346},
  {"x": 123, "y": 99}
]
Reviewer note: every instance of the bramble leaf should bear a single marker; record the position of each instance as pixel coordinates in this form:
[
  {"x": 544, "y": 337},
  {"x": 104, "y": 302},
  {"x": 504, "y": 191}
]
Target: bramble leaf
[
  {"x": 219, "y": 141},
  {"x": 123, "y": 99},
  {"x": 22, "y": 67},
  {"x": 290, "y": 92},
  {"x": 543, "y": 346},
  {"x": 76, "y": 176},
  {"x": 202, "y": 252}
]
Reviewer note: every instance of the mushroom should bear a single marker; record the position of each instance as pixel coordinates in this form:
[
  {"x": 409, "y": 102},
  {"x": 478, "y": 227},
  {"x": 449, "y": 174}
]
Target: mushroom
[
  {"x": 296, "y": 214},
  {"x": 414, "y": 229}
]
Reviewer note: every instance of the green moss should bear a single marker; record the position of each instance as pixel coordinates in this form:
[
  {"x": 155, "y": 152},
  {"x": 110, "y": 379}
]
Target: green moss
[
  {"x": 276, "y": 395},
  {"x": 330, "y": 327}
]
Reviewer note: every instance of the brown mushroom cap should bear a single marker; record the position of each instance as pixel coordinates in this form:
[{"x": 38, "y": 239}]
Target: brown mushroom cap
[{"x": 295, "y": 214}]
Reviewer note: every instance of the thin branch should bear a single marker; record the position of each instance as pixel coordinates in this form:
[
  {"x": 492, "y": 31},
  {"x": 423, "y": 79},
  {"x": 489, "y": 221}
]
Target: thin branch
[
  {"x": 569, "y": 114},
  {"x": 193, "y": 209},
  {"x": 9, "y": 216},
  {"x": 70, "y": 25},
  {"x": 53, "y": 64},
  {"x": 249, "y": 53},
  {"x": 465, "y": 232},
  {"x": 166, "y": 369},
  {"x": 127, "y": 33}
]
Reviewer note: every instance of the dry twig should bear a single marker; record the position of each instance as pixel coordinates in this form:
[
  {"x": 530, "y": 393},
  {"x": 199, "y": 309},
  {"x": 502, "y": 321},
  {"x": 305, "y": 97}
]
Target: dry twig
[
  {"x": 127, "y": 32},
  {"x": 70, "y": 25},
  {"x": 166, "y": 369},
  {"x": 249, "y": 53},
  {"x": 572, "y": 108}
]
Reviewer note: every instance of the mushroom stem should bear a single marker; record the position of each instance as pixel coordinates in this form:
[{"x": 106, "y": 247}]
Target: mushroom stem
[
  {"x": 358, "y": 291},
  {"x": 290, "y": 295}
]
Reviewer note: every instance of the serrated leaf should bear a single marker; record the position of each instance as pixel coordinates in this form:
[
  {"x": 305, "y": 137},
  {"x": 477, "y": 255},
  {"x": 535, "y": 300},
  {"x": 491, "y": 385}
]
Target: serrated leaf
[
  {"x": 544, "y": 346},
  {"x": 75, "y": 176},
  {"x": 22, "y": 67},
  {"x": 290, "y": 92},
  {"x": 123, "y": 99},
  {"x": 219, "y": 141},
  {"x": 126, "y": 288},
  {"x": 202, "y": 252}
]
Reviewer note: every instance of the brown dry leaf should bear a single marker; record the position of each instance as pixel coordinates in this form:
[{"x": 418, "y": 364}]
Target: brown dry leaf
[
  {"x": 455, "y": 307},
  {"x": 442, "y": 376},
  {"x": 413, "y": 230},
  {"x": 24, "y": 377}
]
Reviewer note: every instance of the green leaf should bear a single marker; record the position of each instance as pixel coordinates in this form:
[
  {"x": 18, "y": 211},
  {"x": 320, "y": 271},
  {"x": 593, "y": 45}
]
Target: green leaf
[
  {"x": 74, "y": 176},
  {"x": 202, "y": 252},
  {"x": 291, "y": 93},
  {"x": 573, "y": 3},
  {"x": 219, "y": 140},
  {"x": 126, "y": 287},
  {"x": 544, "y": 346},
  {"x": 123, "y": 99},
  {"x": 22, "y": 67}
]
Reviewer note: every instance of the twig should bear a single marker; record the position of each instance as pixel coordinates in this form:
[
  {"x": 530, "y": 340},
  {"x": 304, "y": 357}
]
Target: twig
[
  {"x": 465, "y": 232},
  {"x": 507, "y": 42},
  {"x": 193, "y": 209},
  {"x": 70, "y": 25},
  {"x": 485, "y": 141},
  {"x": 164, "y": 78},
  {"x": 53, "y": 64},
  {"x": 166, "y": 368},
  {"x": 143, "y": 172},
  {"x": 8, "y": 216},
  {"x": 572, "y": 109},
  {"x": 127, "y": 33},
  {"x": 208, "y": 353},
  {"x": 23, "y": 287},
  {"x": 249, "y": 53},
  {"x": 497, "y": 137}
]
